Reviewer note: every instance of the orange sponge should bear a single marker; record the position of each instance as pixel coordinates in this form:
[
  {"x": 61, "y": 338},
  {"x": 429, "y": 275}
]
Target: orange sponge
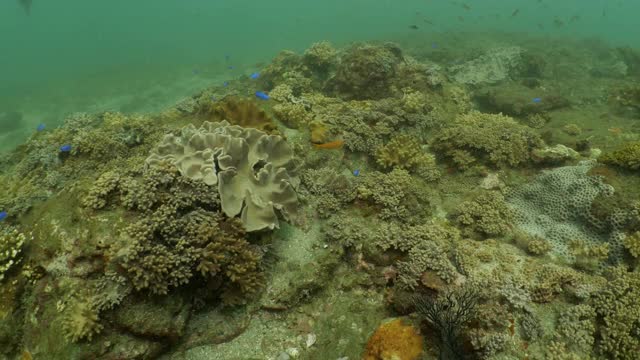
[{"x": 394, "y": 341}]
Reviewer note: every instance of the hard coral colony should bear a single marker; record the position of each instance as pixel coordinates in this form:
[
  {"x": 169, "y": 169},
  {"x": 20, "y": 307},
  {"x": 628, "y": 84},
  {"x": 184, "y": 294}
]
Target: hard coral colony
[{"x": 367, "y": 202}]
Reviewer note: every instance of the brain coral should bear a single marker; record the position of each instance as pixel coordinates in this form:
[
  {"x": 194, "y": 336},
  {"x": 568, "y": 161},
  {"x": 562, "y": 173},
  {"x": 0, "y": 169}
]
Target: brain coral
[
  {"x": 250, "y": 168},
  {"x": 493, "y": 138}
]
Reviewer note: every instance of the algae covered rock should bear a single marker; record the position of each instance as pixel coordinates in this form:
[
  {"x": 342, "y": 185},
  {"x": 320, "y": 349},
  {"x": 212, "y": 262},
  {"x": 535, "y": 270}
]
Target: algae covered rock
[
  {"x": 249, "y": 167},
  {"x": 492, "y": 67},
  {"x": 495, "y": 139}
]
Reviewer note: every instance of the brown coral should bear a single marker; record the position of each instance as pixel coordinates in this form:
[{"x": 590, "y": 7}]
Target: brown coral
[
  {"x": 238, "y": 111},
  {"x": 394, "y": 341}
]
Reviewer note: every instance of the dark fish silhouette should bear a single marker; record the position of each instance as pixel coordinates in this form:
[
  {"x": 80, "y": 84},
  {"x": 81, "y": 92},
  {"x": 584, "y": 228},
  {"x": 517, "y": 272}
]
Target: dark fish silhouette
[{"x": 26, "y": 5}]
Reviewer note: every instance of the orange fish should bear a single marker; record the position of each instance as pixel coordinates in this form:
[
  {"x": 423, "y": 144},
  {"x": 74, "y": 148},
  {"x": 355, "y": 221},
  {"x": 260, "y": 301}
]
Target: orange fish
[{"x": 330, "y": 145}]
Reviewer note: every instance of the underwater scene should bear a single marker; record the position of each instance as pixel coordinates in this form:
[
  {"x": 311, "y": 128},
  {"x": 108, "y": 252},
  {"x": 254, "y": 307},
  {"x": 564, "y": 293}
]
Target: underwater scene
[{"x": 328, "y": 180}]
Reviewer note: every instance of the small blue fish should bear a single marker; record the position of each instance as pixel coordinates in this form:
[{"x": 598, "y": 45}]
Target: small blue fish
[
  {"x": 65, "y": 148},
  {"x": 356, "y": 172},
  {"x": 231, "y": 67},
  {"x": 254, "y": 75},
  {"x": 537, "y": 100},
  {"x": 434, "y": 45},
  {"x": 262, "y": 95},
  {"x": 226, "y": 57},
  {"x": 3, "y": 215},
  {"x": 226, "y": 83},
  {"x": 196, "y": 71},
  {"x": 41, "y": 127}
]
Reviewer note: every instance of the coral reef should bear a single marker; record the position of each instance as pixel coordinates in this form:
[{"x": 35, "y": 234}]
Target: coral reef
[
  {"x": 397, "y": 195},
  {"x": 366, "y": 71},
  {"x": 494, "y": 66},
  {"x": 320, "y": 57},
  {"x": 492, "y": 138},
  {"x": 632, "y": 243},
  {"x": 487, "y": 215},
  {"x": 557, "y": 206},
  {"x": 81, "y": 320},
  {"x": 405, "y": 152},
  {"x": 237, "y": 111},
  {"x": 394, "y": 340},
  {"x": 627, "y": 157},
  {"x": 11, "y": 243},
  {"x": 178, "y": 233},
  {"x": 618, "y": 312},
  {"x": 250, "y": 168}
]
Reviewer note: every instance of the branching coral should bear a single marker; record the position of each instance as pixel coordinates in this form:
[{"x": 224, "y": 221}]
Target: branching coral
[
  {"x": 11, "y": 243},
  {"x": 577, "y": 328},
  {"x": 491, "y": 138},
  {"x": 178, "y": 233},
  {"x": 404, "y": 151},
  {"x": 618, "y": 312},
  {"x": 397, "y": 195},
  {"x": 366, "y": 71},
  {"x": 485, "y": 216},
  {"x": 81, "y": 320}
]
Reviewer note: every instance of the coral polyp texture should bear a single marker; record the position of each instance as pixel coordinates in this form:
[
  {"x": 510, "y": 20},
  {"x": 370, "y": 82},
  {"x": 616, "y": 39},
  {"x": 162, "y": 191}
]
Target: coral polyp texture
[
  {"x": 11, "y": 243},
  {"x": 494, "y": 139},
  {"x": 250, "y": 169}
]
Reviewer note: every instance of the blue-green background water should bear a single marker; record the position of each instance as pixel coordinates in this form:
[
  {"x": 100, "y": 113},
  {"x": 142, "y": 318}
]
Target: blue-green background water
[{"x": 78, "y": 55}]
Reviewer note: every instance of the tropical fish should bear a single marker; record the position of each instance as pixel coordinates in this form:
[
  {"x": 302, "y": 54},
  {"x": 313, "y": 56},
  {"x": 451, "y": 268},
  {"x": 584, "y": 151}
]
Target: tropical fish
[
  {"x": 413, "y": 27},
  {"x": 26, "y": 5},
  {"x": 537, "y": 100},
  {"x": 262, "y": 95},
  {"x": 337, "y": 144},
  {"x": 41, "y": 127},
  {"x": 515, "y": 12},
  {"x": 3, "y": 215},
  {"x": 65, "y": 148},
  {"x": 255, "y": 75}
]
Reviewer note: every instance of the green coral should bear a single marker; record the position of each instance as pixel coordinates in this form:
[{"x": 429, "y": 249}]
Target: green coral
[
  {"x": 632, "y": 243},
  {"x": 627, "y": 157},
  {"x": 11, "y": 243},
  {"x": 425, "y": 247},
  {"x": 395, "y": 195},
  {"x": 81, "y": 320},
  {"x": 618, "y": 312},
  {"x": 484, "y": 216},
  {"x": 495, "y": 139},
  {"x": 406, "y": 152},
  {"x": 577, "y": 328},
  {"x": 177, "y": 233}
]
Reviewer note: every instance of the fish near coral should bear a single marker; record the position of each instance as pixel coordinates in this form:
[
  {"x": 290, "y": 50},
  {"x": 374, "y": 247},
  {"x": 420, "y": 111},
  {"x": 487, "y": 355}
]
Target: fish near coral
[{"x": 330, "y": 145}]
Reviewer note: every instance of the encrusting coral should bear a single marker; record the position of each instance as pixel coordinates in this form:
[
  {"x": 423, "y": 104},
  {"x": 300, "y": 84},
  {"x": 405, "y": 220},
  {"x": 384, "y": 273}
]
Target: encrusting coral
[
  {"x": 394, "y": 340},
  {"x": 250, "y": 168},
  {"x": 495, "y": 139}
]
